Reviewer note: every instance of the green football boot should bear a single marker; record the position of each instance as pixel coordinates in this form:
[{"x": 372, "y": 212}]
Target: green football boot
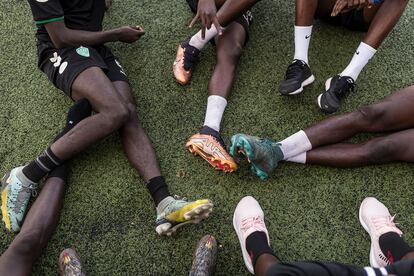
[
  {"x": 263, "y": 154},
  {"x": 16, "y": 191},
  {"x": 174, "y": 212}
]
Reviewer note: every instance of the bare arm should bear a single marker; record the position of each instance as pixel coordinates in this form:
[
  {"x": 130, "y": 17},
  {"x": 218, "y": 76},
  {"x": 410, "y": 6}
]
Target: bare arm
[{"x": 62, "y": 36}]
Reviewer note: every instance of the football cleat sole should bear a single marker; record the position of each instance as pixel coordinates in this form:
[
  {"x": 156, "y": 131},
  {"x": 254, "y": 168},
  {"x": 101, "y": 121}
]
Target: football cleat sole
[
  {"x": 194, "y": 216},
  {"x": 217, "y": 163}
]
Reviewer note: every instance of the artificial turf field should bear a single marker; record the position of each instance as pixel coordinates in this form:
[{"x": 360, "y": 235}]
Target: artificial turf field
[{"x": 311, "y": 212}]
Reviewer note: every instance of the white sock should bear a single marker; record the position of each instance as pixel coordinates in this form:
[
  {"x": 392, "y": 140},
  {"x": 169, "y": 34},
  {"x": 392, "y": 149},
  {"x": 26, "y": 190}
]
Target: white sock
[
  {"x": 198, "y": 42},
  {"x": 215, "y": 109},
  {"x": 361, "y": 58},
  {"x": 300, "y": 158},
  {"x": 302, "y": 41},
  {"x": 295, "y": 144}
]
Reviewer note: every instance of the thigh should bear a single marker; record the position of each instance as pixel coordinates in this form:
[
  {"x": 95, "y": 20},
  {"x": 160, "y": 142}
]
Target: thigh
[
  {"x": 398, "y": 145},
  {"x": 93, "y": 84},
  {"x": 396, "y": 111}
]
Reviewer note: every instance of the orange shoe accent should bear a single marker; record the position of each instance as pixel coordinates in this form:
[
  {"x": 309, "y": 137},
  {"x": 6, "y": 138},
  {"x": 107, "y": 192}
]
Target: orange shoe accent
[
  {"x": 210, "y": 150},
  {"x": 181, "y": 75}
]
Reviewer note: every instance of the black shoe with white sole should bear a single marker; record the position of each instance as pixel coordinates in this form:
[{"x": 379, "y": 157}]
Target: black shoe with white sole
[
  {"x": 298, "y": 75},
  {"x": 336, "y": 88}
]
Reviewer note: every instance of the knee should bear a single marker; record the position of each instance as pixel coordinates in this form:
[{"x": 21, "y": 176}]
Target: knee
[
  {"x": 116, "y": 115},
  {"x": 230, "y": 55},
  {"x": 380, "y": 150},
  {"x": 370, "y": 116}
]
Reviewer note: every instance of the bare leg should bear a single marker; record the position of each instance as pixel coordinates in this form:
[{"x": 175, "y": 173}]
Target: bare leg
[
  {"x": 37, "y": 229},
  {"x": 393, "y": 113},
  {"x": 229, "y": 48},
  {"x": 394, "y": 147},
  {"x": 263, "y": 263},
  {"x": 112, "y": 113},
  {"x": 383, "y": 21},
  {"x": 135, "y": 141},
  {"x": 308, "y": 10}
]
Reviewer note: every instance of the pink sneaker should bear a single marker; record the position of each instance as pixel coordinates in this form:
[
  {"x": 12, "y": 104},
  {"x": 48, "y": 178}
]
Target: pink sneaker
[
  {"x": 248, "y": 218},
  {"x": 376, "y": 220}
]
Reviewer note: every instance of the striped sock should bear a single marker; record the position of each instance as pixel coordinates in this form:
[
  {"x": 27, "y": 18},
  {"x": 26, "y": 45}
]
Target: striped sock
[{"x": 41, "y": 166}]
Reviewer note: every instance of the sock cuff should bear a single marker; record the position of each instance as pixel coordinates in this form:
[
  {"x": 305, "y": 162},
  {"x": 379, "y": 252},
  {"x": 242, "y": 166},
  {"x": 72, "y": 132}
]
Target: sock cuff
[
  {"x": 368, "y": 47},
  {"x": 156, "y": 183},
  {"x": 217, "y": 98},
  {"x": 257, "y": 244},
  {"x": 304, "y": 27}
]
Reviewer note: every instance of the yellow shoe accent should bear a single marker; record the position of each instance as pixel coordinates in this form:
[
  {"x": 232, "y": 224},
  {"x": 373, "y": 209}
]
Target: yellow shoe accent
[
  {"x": 4, "y": 212},
  {"x": 212, "y": 151},
  {"x": 179, "y": 215}
]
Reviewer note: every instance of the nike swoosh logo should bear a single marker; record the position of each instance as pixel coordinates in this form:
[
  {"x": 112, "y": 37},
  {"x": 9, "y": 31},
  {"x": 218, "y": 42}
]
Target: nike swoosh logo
[
  {"x": 307, "y": 37},
  {"x": 357, "y": 53}
]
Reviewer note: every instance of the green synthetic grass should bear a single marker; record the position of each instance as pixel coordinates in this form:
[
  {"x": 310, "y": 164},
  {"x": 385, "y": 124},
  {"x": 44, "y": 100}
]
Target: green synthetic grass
[{"x": 311, "y": 212}]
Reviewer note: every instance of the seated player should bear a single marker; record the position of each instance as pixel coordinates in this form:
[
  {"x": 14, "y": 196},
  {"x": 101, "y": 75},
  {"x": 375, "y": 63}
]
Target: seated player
[
  {"x": 208, "y": 142},
  {"x": 73, "y": 55},
  {"x": 389, "y": 253},
  {"x": 323, "y": 143},
  {"x": 213, "y": 23},
  {"x": 376, "y": 17},
  {"x": 43, "y": 216}
]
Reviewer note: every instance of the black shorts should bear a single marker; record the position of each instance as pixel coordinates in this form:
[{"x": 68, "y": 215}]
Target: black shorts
[
  {"x": 62, "y": 66},
  {"x": 401, "y": 268},
  {"x": 245, "y": 20},
  {"x": 352, "y": 20}
]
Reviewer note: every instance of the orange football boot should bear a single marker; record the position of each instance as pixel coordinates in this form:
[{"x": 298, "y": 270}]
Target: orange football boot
[
  {"x": 185, "y": 61},
  {"x": 212, "y": 151}
]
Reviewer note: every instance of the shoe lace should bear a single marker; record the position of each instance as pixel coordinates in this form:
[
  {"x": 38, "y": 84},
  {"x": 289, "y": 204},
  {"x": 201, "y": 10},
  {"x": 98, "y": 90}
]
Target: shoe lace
[
  {"x": 294, "y": 68},
  {"x": 256, "y": 223},
  {"x": 343, "y": 86},
  {"x": 383, "y": 223},
  {"x": 190, "y": 57}
]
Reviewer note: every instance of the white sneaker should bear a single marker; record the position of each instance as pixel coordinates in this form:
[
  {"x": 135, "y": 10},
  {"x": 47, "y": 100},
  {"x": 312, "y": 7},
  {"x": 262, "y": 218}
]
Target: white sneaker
[
  {"x": 248, "y": 218},
  {"x": 376, "y": 220}
]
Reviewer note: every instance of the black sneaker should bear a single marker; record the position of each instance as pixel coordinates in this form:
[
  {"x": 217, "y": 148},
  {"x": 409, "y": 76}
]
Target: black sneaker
[
  {"x": 298, "y": 75},
  {"x": 336, "y": 89}
]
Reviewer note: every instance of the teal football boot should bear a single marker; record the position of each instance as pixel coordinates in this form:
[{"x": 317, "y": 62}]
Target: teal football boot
[
  {"x": 263, "y": 154},
  {"x": 16, "y": 191}
]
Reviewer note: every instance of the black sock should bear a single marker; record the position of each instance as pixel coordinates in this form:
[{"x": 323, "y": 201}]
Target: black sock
[
  {"x": 41, "y": 166},
  {"x": 158, "y": 189},
  {"x": 48, "y": 161},
  {"x": 393, "y": 246},
  {"x": 61, "y": 172},
  {"x": 257, "y": 245}
]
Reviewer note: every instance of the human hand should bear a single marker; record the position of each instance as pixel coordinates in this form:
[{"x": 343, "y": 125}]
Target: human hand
[
  {"x": 130, "y": 34},
  {"x": 342, "y": 6},
  {"x": 207, "y": 14}
]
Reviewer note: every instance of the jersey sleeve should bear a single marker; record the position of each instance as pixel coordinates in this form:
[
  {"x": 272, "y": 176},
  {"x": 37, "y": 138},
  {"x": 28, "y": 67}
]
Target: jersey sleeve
[{"x": 46, "y": 11}]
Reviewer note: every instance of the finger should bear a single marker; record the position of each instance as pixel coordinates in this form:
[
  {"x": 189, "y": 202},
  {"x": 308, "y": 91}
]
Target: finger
[
  {"x": 208, "y": 22},
  {"x": 195, "y": 19},
  {"x": 217, "y": 26}
]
